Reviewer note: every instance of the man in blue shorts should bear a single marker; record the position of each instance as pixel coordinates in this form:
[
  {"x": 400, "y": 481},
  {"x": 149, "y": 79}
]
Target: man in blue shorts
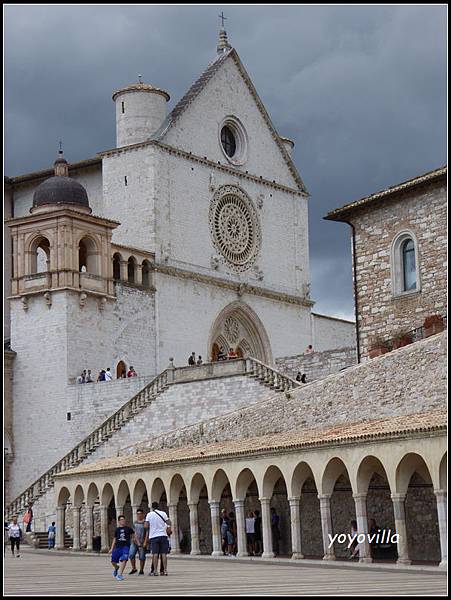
[
  {"x": 159, "y": 528},
  {"x": 121, "y": 547}
]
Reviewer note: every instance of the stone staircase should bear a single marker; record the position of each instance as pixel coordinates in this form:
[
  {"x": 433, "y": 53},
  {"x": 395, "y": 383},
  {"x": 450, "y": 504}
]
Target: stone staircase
[
  {"x": 38, "y": 539},
  {"x": 249, "y": 367}
]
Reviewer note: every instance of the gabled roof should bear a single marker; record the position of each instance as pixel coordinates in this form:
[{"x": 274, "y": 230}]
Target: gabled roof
[
  {"x": 201, "y": 83},
  {"x": 395, "y": 190}
]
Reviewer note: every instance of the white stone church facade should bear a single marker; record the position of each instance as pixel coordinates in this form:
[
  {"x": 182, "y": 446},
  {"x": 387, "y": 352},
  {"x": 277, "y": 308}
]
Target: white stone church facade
[{"x": 190, "y": 235}]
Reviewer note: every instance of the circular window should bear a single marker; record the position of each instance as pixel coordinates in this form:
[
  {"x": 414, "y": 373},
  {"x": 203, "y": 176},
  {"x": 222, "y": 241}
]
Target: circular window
[
  {"x": 233, "y": 140},
  {"x": 234, "y": 227},
  {"x": 228, "y": 141}
]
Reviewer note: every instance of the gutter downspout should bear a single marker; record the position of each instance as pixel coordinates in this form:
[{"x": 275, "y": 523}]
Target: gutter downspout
[{"x": 354, "y": 276}]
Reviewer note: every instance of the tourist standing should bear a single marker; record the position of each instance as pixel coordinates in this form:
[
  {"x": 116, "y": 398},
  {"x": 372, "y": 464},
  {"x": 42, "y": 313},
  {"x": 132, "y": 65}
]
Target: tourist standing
[
  {"x": 250, "y": 533},
  {"x": 192, "y": 359},
  {"x": 121, "y": 547},
  {"x": 304, "y": 378},
  {"x": 221, "y": 354},
  {"x": 15, "y": 535},
  {"x": 224, "y": 522},
  {"x": 28, "y": 518},
  {"x": 309, "y": 349},
  {"x": 138, "y": 544},
  {"x": 232, "y": 354},
  {"x": 354, "y": 549},
  {"x": 231, "y": 535},
  {"x": 159, "y": 528},
  {"x": 51, "y": 534},
  {"x": 199, "y": 361},
  {"x": 80, "y": 378},
  {"x": 275, "y": 531},
  {"x": 108, "y": 375},
  {"x": 132, "y": 372},
  {"x": 89, "y": 378}
]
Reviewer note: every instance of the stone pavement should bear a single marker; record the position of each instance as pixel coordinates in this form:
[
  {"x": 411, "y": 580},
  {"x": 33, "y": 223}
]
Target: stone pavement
[{"x": 53, "y": 573}]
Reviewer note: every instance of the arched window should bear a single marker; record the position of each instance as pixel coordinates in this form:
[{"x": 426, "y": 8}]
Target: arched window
[
  {"x": 117, "y": 266},
  {"x": 40, "y": 256},
  {"x": 404, "y": 264},
  {"x": 131, "y": 269},
  {"x": 408, "y": 265},
  {"x": 87, "y": 256},
  {"x": 146, "y": 273}
]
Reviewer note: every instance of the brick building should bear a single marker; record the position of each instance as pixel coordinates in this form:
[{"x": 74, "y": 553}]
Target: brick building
[{"x": 399, "y": 242}]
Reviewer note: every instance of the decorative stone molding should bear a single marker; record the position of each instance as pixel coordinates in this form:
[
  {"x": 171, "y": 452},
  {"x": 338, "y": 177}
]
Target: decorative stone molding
[
  {"x": 82, "y": 301},
  {"x": 25, "y": 303},
  {"x": 48, "y": 299},
  {"x": 214, "y": 261},
  {"x": 212, "y": 183},
  {"x": 260, "y": 201},
  {"x": 102, "y": 303}
]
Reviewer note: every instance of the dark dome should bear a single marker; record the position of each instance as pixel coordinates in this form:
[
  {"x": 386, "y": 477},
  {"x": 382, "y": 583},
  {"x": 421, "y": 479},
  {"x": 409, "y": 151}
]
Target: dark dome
[{"x": 60, "y": 190}]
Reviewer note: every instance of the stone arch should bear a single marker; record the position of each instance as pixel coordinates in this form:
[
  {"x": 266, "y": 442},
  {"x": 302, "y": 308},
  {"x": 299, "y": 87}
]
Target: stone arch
[
  {"x": 178, "y": 496},
  {"x": 123, "y": 492},
  {"x": 107, "y": 494},
  {"x": 220, "y": 481},
  {"x": 243, "y": 481},
  {"x": 146, "y": 273},
  {"x": 117, "y": 259},
  {"x": 63, "y": 496},
  {"x": 365, "y": 471},
  {"x": 139, "y": 491},
  {"x": 413, "y": 478},
  {"x": 79, "y": 496},
  {"x": 301, "y": 473},
  {"x": 131, "y": 270},
  {"x": 275, "y": 487},
  {"x": 88, "y": 255},
  {"x": 198, "y": 496},
  {"x": 235, "y": 323},
  {"x": 39, "y": 249},
  {"x": 92, "y": 494},
  {"x": 157, "y": 490},
  {"x": 443, "y": 472}
]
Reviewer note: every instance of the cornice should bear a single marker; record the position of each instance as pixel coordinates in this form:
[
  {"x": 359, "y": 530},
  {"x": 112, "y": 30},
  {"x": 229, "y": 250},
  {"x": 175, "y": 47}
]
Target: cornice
[
  {"x": 204, "y": 160},
  {"x": 239, "y": 288}
]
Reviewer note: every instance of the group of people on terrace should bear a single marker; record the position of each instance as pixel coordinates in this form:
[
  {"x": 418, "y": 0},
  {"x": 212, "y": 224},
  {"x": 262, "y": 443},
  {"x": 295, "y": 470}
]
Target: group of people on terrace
[{"x": 104, "y": 375}]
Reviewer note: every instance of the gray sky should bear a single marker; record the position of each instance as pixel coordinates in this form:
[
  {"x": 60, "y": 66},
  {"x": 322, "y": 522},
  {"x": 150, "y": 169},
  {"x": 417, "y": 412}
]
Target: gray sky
[{"x": 360, "y": 89}]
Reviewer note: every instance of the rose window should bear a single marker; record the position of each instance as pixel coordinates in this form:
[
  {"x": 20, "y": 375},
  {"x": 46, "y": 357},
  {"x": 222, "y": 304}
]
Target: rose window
[{"x": 234, "y": 227}]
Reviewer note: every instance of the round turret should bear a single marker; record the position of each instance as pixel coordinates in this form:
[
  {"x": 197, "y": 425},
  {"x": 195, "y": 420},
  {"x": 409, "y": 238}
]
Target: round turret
[{"x": 140, "y": 111}]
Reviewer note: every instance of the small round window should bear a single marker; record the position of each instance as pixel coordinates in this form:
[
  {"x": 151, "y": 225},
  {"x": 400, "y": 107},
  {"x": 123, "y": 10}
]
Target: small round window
[
  {"x": 228, "y": 141},
  {"x": 233, "y": 140}
]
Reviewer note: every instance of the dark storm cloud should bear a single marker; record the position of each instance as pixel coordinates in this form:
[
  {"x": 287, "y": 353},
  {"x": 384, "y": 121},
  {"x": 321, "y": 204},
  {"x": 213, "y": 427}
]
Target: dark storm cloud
[{"x": 361, "y": 90}]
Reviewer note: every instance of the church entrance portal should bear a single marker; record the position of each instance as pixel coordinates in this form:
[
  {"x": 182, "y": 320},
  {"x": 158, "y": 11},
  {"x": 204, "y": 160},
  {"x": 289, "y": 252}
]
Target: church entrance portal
[{"x": 238, "y": 326}]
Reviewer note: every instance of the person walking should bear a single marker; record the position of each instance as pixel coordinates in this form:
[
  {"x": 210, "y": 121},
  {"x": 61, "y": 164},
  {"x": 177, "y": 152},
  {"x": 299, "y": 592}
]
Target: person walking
[
  {"x": 15, "y": 535},
  {"x": 159, "y": 529},
  {"x": 121, "y": 547},
  {"x": 28, "y": 518},
  {"x": 51, "y": 534},
  {"x": 138, "y": 545},
  {"x": 275, "y": 531},
  {"x": 192, "y": 359}
]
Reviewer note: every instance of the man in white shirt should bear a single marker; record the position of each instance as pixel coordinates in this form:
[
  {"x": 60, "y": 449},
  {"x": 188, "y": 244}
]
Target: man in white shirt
[
  {"x": 158, "y": 529},
  {"x": 108, "y": 375}
]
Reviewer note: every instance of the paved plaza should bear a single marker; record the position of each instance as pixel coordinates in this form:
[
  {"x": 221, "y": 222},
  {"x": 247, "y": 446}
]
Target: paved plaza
[{"x": 41, "y": 573}]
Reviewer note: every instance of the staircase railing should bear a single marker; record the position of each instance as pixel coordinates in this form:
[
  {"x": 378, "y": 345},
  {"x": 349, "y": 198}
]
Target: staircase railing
[
  {"x": 267, "y": 375},
  {"x": 102, "y": 433}
]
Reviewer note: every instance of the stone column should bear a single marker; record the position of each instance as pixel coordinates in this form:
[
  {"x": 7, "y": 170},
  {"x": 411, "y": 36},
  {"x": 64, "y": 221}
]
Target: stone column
[
  {"x": 105, "y": 542},
  {"x": 442, "y": 524},
  {"x": 119, "y": 511},
  {"x": 240, "y": 529},
  {"x": 76, "y": 517},
  {"x": 215, "y": 528},
  {"x": 295, "y": 517},
  {"x": 266, "y": 528},
  {"x": 175, "y": 540},
  {"x": 89, "y": 527},
  {"x": 326, "y": 525},
  {"x": 59, "y": 538},
  {"x": 362, "y": 527},
  {"x": 124, "y": 270},
  {"x": 138, "y": 274},
  {"x": 401, "y": 529},
  {"x": 194, "y": 527}
]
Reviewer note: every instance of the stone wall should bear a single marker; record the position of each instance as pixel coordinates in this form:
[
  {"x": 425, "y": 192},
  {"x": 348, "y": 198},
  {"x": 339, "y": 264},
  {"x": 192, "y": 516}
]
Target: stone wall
[
  {"x": 318, "y": 364},
  {"x": 407, "y": 380},
  {"x": 330, "y": 333},
  {"x": 423, "y": 212}
]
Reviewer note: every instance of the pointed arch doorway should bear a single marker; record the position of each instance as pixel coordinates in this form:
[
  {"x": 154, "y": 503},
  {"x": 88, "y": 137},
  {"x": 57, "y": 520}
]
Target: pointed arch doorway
[{"x": 238, "y": 326}]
